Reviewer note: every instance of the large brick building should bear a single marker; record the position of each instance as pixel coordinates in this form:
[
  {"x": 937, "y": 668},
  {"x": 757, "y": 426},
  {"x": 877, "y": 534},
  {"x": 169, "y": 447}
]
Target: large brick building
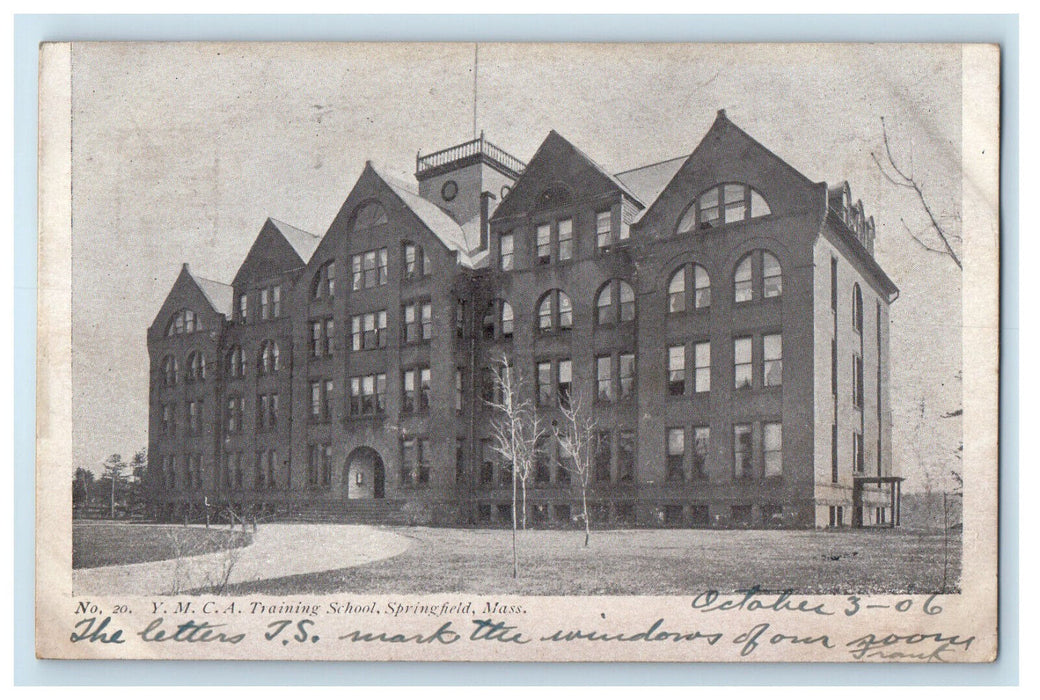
[{"x": 725, "y": 313}]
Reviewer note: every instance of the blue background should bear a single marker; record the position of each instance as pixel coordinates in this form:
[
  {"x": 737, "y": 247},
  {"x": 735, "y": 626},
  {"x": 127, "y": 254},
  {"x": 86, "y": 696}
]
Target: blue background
[{"x": 30, "y": 30}]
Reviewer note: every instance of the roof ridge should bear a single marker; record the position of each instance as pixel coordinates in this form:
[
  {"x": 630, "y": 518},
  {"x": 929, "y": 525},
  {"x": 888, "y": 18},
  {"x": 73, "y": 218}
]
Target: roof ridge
[
  {"x": 294, "y": 226},
  {"x": 650, "y": 165}
]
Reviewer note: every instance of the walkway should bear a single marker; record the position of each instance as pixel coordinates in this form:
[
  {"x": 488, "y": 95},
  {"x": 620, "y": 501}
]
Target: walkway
[{"x": 278, "y": 550}]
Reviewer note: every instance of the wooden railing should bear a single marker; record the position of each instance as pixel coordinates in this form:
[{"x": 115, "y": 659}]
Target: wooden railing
[{"x": 465, "y": 150}]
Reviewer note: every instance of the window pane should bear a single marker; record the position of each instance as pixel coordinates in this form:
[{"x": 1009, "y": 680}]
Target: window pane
[
  {"x": 603, "y": 237},
  {"x": 734, "y": 200},
  {"x": 742, "y": 281},
  {"x": 702, "y": 288},
  {"x": 566, "y": 317},
  {"x": 628, "y": 301},
  {"x": 676, "y": 441},
  {"x": 604, "y": 310},
  {"x": 565, "y": 231},
  {"x": 742, "y": 451},
  {"x": 772, "y": 448},
  {"x": 709, "y": 208},
  {"x": 702, "y": 367},
  {"x": 677, "y": 370},
  {"x": 772, "y": 278},
  {"x": 604, "y": 385},
  {"x": 677, "y": 291},
  {"x": 772, "y": 359},
  {"x": 544, "y": 240},
  {"x": 742, "y": 362},
  {"x": 759, "y": 207},
  {"x": 626, "y": 374}
]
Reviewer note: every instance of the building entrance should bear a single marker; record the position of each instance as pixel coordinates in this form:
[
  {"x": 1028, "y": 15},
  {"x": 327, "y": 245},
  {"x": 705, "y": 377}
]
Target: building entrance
[{"x": 365, "y": 474}]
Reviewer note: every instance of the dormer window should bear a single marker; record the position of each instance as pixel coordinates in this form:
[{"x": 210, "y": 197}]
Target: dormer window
[{"x": 723, "y": 204}]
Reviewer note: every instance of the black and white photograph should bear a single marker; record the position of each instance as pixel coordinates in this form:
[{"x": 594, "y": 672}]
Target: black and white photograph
[{"x": 518, "y": 351}]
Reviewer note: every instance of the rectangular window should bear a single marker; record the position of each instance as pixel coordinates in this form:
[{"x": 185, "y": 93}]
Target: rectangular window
[
  {"x": 701, "y": 437},
  {"x": 742, "y": 451},
  {"x": 604, "y": 379},
  {"x": 677, "y": 370},
  {"x": 369, "y": 269},
  {"x": 604, "y": 235},
  {"x": 368, "y": 395},
  {"x": 368, "y": 331},
  {"x": 772, "y": 449},
  {"x": 408, "y": 391},
  {"x": 772, "y": 359},
  {"x": 276, "y": 301},
  {"x": 460, "y": 461},
  {"x": 834, "y": 367},
  {"x": 602, "y": 459},
  {"x": 626, "y": 375},
  {"x": 742, "y": 363},
  {"x": 424, "y": 388},
  {"x": 543, "y": 381},
  {"x": 505, "y": 251},
  {"x": 857, "y": 452},
  {"x": 676, "y": 454},
  {"x": 563, "y": 382},
  {"x": 330, "y": 335},
  {"x": 544, "y": 244},
  {"x": 542, "y": 455},
  {"x": 194, "y": 416},
  {"x": 243, "y": 307},
  {"x": 265, "y": 305},
  {"x": 834, "y": 454},
  {"x": 409, "y": 461},
  {"x": 857, "y": 381},
  {"x": 327, "y": 400},
  {"x": 426, "y": 320},
  {"x": 565, "y": 234},
  {"x": 626, "y": 456},
  {"x": 459, "y": 390},
  {"x": 701, "y": 367},
  {"x": 234, "y": 414},
  {"x": 316, "y": 343},
  {"x": 316, "y": 402},
  {"x": 487, "y": 462}
]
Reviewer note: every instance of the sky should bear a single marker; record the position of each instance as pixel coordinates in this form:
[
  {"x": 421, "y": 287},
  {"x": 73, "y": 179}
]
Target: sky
[{"x": 181, "y": 152}]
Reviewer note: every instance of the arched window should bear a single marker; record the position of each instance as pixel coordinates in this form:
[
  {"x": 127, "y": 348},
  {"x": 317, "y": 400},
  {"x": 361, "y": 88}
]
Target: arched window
[
  {"x": 268, "y": 360},
  {"x": 368, "y": 215},
  {"x": 184, "y": 321},
  {"x": 196, "y": 367},
  {"x": 679, "y": 299},
  {"x": 324, "y": 284},
  {"x": 723, "y": 204},
  {"x": 169, "y": 369},
  {"x": 757, "y": 276},
  {"x": 414, "y": 261},
  {"x": 609, "y": 311},
  {"x": 498, "y": 320},
  {"x": 857, "y": 308},
  {"x": 555, "y": 312},
  {"x": 236, "y": 362}
]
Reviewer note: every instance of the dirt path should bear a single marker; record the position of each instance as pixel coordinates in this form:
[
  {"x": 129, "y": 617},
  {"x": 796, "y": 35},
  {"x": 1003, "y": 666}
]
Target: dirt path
[{"x": 278, "y": 550}]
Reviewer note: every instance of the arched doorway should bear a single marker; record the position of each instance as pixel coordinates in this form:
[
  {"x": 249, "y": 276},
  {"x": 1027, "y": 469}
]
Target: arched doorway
[{"x": 365, "y": 475}]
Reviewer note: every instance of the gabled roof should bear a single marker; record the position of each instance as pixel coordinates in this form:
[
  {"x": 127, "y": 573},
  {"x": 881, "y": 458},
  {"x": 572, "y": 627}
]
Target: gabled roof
[
  {"x": 648, "y": 181},
  {"x": 620, "y": 185},
  {"x": 220, "y": 296},
  {"x": 555, "y": 148},
  {"x": 433, "y": 217},
  {"x": 303, "y": 243}
]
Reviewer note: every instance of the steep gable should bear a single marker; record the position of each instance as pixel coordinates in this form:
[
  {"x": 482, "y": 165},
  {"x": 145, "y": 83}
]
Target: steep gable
[
  {"x": 278, "y": 248},
  {"x": 728, "y": 154},
  {"x": 211, "y": 301},
  {"x": 394, "y": 193},
  {"x": 558, "y": 163}
]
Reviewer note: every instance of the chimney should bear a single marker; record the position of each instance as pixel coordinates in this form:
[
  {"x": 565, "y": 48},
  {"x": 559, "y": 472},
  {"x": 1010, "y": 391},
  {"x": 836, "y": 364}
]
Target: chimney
[{"x": 485, "y": 218}]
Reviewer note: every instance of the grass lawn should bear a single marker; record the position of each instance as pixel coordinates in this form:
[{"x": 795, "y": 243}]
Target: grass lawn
[
  {"x": 643, "y": 562},
  {"x": 106, "y": 544}
]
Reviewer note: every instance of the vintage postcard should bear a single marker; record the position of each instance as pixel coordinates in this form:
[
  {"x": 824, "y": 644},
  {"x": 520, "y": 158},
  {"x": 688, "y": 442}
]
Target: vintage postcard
[{"x": 555, "y": 352}]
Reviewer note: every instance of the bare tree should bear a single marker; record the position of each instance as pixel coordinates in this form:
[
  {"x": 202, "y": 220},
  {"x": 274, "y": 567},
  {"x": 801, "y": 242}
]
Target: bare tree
[
  {"x": 903, "y": 176},
  {"x": 576, "y": 434},
  {"x": 515, "y": 432}
]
